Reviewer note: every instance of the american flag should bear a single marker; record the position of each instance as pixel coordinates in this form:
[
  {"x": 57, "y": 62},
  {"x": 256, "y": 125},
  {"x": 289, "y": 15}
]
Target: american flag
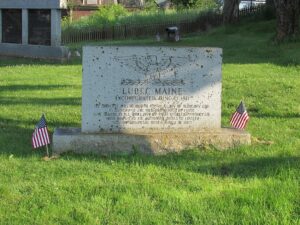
[
  {"x": 240, "y": 117},
  {"x": 40, "y": 136}
]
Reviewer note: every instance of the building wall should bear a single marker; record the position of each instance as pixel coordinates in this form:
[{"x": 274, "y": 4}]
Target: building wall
[
  {"x": 77, "y": 14},
  {"x": 21, "y": 41}
]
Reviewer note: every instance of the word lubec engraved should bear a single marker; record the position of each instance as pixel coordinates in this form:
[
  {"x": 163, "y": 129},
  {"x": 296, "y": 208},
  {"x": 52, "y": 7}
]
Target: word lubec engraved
[{"x": 149, "y": 91}]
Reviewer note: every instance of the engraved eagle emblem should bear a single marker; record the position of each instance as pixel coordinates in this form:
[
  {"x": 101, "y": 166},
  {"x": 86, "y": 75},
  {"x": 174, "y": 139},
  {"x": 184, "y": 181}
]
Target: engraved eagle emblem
[{"x": 150, "y": 64}]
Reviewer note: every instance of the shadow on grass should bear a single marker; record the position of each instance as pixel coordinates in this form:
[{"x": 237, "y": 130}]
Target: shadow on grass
[
  {"x": 232, "y": 55},
  {"x": 16, "y": 140},
  {"x": 15, "y": 136},
  {"x": 215, "y": 164},
  {"x": 40, "y": 101},
  {"x": 23, "y": 87},
  {"x": 267, "y": 115},
  {"x": 274, "y": 115},
  {"x": 16, "y": 61},
  {"x": 6, "y": 123},
  {"x": 256, "y": 167}
]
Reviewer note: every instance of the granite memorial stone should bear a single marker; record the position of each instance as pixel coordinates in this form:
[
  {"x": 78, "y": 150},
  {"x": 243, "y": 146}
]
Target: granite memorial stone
[{"x": 151, "y": 89}]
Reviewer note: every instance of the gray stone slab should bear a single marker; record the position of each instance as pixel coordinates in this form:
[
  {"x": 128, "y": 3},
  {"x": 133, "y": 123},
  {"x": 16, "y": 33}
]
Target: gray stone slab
[
  {"x": 25, "y": 26},
  {"x": 33, "y": 4},
  {"x": 55, "y": 27},
  {"x": 0, "y": 25},
  {"x": 33, "y": 51},
  {"x": 72, "y": 139},
  {"x": 151, "y": 89}
]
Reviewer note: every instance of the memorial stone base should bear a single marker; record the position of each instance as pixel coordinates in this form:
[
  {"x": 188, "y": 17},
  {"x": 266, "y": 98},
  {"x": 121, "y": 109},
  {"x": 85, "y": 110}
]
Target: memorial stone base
[{"x": 72, "y": 139}]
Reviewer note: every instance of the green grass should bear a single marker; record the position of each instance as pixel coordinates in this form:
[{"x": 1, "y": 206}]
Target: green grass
[{"x": 257, "y": 184}]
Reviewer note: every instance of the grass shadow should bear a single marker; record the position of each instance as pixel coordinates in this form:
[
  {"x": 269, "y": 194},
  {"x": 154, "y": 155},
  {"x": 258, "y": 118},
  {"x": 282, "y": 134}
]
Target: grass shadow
[
  {"x": 15, "y": 136},
  {"x": 29, "y": 87},
  {"x": 212, "y": 163},
  {"x": 16, "y": 141},
  {"x": 40, "y": 101},
  {"x": 256, "y": 167},
  {"x": 292, "y": 115},
  {"x": 14, "y": 61}
]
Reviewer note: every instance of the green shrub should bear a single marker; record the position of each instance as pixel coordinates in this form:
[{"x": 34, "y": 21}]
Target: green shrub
[
  {"x": 117, "y": 15},
  {"x": 106, "y": 16},
  {"x": 200, "y": 4},
  {"x": 204, "y": 4},
  {"x": 109, "y": 13},
  {"x": 151, "y": 6}
]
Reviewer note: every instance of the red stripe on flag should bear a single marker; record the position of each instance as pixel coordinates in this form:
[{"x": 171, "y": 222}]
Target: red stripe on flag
[
  {"x": 239, "y": 120},
  {"x": 45, "y": 135},
  {"x": 40, "y": 137}
]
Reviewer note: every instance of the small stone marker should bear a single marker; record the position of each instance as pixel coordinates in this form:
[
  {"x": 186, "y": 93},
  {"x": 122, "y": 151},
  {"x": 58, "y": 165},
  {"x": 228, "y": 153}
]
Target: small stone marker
[
  {"x": 157, "y": 99},
  {"x": 172, "y": 33}
]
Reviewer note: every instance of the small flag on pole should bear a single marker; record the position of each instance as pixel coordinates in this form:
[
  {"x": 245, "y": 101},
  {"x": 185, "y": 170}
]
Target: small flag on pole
[
  {"x": 240, "y": 117},
  {"x": 40, "y": 136}
]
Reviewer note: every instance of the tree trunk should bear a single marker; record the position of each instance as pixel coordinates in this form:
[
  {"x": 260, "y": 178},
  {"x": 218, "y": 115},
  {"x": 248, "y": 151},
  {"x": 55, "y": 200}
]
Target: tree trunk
[
  {"x": 287, "y": 13},
  {"x": 230, "y": 11}
]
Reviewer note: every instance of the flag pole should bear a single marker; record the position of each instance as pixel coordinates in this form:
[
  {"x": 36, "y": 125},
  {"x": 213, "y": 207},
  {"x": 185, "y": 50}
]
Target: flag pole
[
  {"x": 47, "y": 144},
  {"x": 47, "y": 151}
]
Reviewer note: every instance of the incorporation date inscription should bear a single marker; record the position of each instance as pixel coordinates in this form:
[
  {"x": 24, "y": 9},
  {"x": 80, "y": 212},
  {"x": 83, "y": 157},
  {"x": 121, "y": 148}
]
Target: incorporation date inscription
[
  {"x": 152, "y": 114},
  {"x": 154, "y": 106}
]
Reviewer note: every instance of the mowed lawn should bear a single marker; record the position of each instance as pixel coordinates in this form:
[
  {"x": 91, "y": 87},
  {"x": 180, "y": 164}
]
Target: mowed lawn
[{"x": 257, "y": 184}]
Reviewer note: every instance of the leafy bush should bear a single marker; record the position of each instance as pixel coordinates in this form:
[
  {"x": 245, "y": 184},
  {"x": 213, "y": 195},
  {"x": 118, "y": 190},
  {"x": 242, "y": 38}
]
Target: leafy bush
[
  {"x": 117, "y": 15},
  {"x": 109, "y": 14},
  {"x": 150, "y": 5},
  {"x": 201, "y": 4},
  {"x": 106, "y": 15}
]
